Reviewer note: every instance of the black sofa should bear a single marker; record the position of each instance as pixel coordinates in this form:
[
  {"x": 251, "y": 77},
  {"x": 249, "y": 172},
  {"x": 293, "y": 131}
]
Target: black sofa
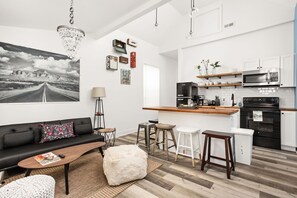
[{"x": 20, "y": 141}]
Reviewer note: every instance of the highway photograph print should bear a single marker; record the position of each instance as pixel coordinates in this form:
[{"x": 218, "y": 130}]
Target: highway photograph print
[{"x": 32, "y": 75}]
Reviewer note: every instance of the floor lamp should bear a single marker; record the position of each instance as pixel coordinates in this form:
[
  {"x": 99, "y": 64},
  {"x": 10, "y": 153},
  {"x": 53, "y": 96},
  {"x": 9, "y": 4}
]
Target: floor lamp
[{"x": 99, "y": 121}]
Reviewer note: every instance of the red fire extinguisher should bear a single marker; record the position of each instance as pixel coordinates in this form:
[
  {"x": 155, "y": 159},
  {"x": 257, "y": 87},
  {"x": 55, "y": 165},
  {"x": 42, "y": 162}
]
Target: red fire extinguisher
[{"x": 133, "y": 59}]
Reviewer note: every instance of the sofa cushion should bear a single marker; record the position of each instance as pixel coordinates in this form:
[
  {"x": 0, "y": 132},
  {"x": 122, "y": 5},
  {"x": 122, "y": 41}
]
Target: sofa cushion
[
  {"x": 10, "y": 157},
  {"x": 18, "y": 139},
  {"x": 81, "y": 125},
  {"x": 55, "y": 132}
]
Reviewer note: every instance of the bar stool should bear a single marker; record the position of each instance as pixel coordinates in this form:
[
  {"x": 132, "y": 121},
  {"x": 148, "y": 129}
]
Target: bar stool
[
  {"x": 155, "y": 121},
  {"x": 109, "y": 136},
  {"x": 147, "y": 134},
  {"x": 188, "y": 132},
  {"x": 165, "y": 128},
  {"x": 228, "y": 150}
]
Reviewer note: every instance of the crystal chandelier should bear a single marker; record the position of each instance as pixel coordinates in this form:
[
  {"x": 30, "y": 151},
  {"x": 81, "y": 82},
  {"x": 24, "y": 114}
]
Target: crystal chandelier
[{"x": 71, "y": 36}]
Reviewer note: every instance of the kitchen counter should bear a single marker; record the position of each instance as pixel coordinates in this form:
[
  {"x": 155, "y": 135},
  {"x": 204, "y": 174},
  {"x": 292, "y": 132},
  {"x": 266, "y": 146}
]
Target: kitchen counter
[{"x": 201, "y": 110}]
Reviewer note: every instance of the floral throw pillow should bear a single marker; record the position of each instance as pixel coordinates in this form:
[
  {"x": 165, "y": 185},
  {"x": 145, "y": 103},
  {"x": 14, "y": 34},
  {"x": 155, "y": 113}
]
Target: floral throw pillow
[{"x": 54, "y": 132}]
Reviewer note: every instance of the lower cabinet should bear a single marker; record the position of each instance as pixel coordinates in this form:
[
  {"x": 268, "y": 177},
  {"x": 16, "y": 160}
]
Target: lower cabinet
[{"x": 288, "y": 130}]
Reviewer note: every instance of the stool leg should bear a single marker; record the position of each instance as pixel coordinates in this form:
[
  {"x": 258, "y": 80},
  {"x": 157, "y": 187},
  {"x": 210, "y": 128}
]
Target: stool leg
[
  {"x": 156, "y": 140},
  {"x": 173, "y": 138},
  {"x": 199, "y": 146},
  {"x": 192, "y": 150},
  {"x": 231, "y": 155},
  {"x": 204, "y": 153},
  {"x": 209, "y": 149},
  {"x": 177, "y": 149},
  {"x": 166, "y": 143},
  {"x": 163, "y": 145},
  {"x": 137, "y": 138},
  {"x": 145, "y": 136},
  {"x": 227, "y": 158}
]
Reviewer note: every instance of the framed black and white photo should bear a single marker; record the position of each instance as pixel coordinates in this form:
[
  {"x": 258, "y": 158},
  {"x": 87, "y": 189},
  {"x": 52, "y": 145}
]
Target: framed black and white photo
[
  {"x": 125, "y": 76},
  {"x": 32, "y": 75}
]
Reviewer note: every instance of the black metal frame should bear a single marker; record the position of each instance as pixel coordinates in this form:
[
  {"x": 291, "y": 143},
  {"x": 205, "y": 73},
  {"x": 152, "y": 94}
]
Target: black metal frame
[{"x": 99, "y": 120}]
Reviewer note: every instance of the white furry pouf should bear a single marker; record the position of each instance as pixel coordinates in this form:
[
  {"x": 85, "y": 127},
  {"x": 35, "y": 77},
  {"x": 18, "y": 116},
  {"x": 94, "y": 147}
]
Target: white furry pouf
[{"x": 124, "y": 163}]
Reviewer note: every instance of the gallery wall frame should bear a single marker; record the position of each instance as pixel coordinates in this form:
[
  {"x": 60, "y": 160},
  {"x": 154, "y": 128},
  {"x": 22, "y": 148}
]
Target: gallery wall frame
[{"x": 31, "y": 75}]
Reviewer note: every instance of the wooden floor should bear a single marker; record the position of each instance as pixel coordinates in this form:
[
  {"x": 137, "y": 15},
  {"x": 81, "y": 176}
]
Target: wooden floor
[{"x": 273, "y": 173}]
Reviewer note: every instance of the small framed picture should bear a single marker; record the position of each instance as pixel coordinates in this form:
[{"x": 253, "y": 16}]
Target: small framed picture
[
  {"x": 125, "y": 76},
  {"x": 111, "y": 62}
]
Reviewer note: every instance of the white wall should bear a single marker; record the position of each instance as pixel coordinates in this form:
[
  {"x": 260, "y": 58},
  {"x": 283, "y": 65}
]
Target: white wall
[
  {"x": 247, "y": 15},
  {"x": 123, "y": 104},
  {"x": 231, "y": 52}
]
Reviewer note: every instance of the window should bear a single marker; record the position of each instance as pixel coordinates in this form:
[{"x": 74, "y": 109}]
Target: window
[{"x": 151, "y": 86}]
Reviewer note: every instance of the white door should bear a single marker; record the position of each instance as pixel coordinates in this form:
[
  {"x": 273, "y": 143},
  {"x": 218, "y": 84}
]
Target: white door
[
  {"x": 270, "y": 62},
  {"x": 253, "y": 64},
  {"x": 151, "y": 86},
  {"x": 288, "y": 128},
  {"x": 287, "y": 71}
]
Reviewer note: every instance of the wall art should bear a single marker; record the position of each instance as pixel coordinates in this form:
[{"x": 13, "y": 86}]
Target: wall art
[
  {"x": 111, "y": 62},
  {"x": 32, "y": 75},
  {"x": 125, "y": 76}
]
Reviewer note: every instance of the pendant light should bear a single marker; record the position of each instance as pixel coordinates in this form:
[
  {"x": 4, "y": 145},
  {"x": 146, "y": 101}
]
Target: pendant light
[
  {"x": 193, "y": 11},
  {"x": 156, "y": 19},
  {"x": 71, "y": 36}
]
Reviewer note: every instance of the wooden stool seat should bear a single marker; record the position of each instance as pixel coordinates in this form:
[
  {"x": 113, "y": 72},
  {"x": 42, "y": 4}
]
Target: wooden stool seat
[
  {"x": 165, "y": 128},
  {"x": 228, "y": 150},
  {"x": 106, "y": 130}
]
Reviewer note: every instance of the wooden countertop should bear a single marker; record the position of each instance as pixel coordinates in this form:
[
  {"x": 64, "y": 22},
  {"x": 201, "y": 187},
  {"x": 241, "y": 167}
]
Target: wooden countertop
[{"x": 217, "y": 110}]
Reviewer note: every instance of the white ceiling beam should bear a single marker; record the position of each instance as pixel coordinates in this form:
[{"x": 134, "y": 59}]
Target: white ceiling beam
[{"x": 125, "y": 19}]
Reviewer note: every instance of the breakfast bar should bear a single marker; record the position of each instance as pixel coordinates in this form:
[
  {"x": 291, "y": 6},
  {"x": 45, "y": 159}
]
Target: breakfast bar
[{"x": 204, "y": 118}]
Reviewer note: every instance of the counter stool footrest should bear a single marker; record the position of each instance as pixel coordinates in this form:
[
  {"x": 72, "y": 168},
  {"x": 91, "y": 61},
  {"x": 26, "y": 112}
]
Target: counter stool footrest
[{"x": 216, "y": 157}]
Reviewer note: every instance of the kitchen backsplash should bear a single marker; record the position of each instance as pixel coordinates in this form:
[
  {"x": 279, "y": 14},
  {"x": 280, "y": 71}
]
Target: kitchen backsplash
[{"x": 286, "y": 95}]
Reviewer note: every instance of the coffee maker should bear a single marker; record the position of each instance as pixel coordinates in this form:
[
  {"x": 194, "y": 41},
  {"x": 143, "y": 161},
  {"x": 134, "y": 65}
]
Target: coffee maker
[{"x": 187, "y": 95}]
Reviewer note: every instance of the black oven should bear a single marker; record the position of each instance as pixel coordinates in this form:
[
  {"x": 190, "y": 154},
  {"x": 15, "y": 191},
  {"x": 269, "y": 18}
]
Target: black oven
[{"x": 267, "y": 128}]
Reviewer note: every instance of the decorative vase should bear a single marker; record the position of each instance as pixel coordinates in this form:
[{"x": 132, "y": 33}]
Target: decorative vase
[
  {"x": 213, "y": 71},
  {"x": 200, "y": 72},
  {"x": 206, "y": 71}
]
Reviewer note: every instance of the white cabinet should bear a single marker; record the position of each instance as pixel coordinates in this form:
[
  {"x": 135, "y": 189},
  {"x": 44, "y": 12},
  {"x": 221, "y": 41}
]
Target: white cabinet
[
  {"x": 288, "y": 130},
  {"x": 287, "y": 71},
  {"x": 263, "y": 63},
  {"x": 270, "y": 62},
  {"x": 251, "y": 65}
]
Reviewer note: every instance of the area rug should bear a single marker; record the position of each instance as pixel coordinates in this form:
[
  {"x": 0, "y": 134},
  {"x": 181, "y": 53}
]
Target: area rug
[{"x": 86, "y": 178}]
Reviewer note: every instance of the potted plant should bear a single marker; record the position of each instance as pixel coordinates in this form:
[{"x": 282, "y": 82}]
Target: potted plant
[
  {"x": 214, "y": 66},
  {"x": 199, "y": 69}
]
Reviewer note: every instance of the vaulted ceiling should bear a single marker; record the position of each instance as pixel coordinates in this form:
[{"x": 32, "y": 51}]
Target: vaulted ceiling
[{"x": 96, "y": 17}]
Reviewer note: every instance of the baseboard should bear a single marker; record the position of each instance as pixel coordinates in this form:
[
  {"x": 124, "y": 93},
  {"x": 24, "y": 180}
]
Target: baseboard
[
  {"x": 125, "y": 132},
  {"x": 288, "y": 148}
]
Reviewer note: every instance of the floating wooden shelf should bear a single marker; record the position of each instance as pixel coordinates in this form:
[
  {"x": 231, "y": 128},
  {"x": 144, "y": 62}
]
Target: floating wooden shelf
[
  {"x": 221, "y": 85},
  {"x": 220, "y": 75}
]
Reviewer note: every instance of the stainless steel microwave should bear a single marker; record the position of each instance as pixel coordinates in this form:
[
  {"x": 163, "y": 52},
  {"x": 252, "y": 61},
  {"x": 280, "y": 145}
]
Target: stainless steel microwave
[{"x": 268, "y": 77}]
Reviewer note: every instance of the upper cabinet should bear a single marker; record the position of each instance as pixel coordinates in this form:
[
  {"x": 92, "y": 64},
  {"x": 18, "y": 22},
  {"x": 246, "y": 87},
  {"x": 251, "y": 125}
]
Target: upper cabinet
[
  {"x": 270, "y": 62},
  {"x": 287, "y": 71},
  {"x": 263, "y": 63},
  {"x": 253, "y": 64}
]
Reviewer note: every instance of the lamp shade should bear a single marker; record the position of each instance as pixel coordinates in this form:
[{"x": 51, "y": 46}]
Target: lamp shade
[{"x": 98, "y": 92}]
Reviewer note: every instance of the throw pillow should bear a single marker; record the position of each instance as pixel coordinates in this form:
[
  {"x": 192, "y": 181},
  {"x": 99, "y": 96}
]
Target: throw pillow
[
  {"x": 56, "y": 132},
  {"x": 18, "y": 139}
]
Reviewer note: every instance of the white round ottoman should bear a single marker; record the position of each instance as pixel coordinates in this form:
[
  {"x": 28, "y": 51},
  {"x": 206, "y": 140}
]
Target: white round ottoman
[
  {"x": 37, "y": 186},
  {"x": 124, "y": 163}
]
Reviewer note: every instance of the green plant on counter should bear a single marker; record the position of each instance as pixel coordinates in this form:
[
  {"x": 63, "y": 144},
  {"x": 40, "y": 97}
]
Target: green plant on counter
[{"x": 215, "y": 65}]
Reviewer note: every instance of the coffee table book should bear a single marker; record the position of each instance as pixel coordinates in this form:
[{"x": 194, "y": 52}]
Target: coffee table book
[{"x": 47, "y": 158}]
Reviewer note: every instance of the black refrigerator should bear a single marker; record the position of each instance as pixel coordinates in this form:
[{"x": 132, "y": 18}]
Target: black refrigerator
[{"x": 186, "y": 93}]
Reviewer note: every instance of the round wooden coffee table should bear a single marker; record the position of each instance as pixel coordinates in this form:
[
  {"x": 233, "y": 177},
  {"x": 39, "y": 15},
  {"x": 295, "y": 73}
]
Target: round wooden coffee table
[{"x": 71, "y": 154}]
